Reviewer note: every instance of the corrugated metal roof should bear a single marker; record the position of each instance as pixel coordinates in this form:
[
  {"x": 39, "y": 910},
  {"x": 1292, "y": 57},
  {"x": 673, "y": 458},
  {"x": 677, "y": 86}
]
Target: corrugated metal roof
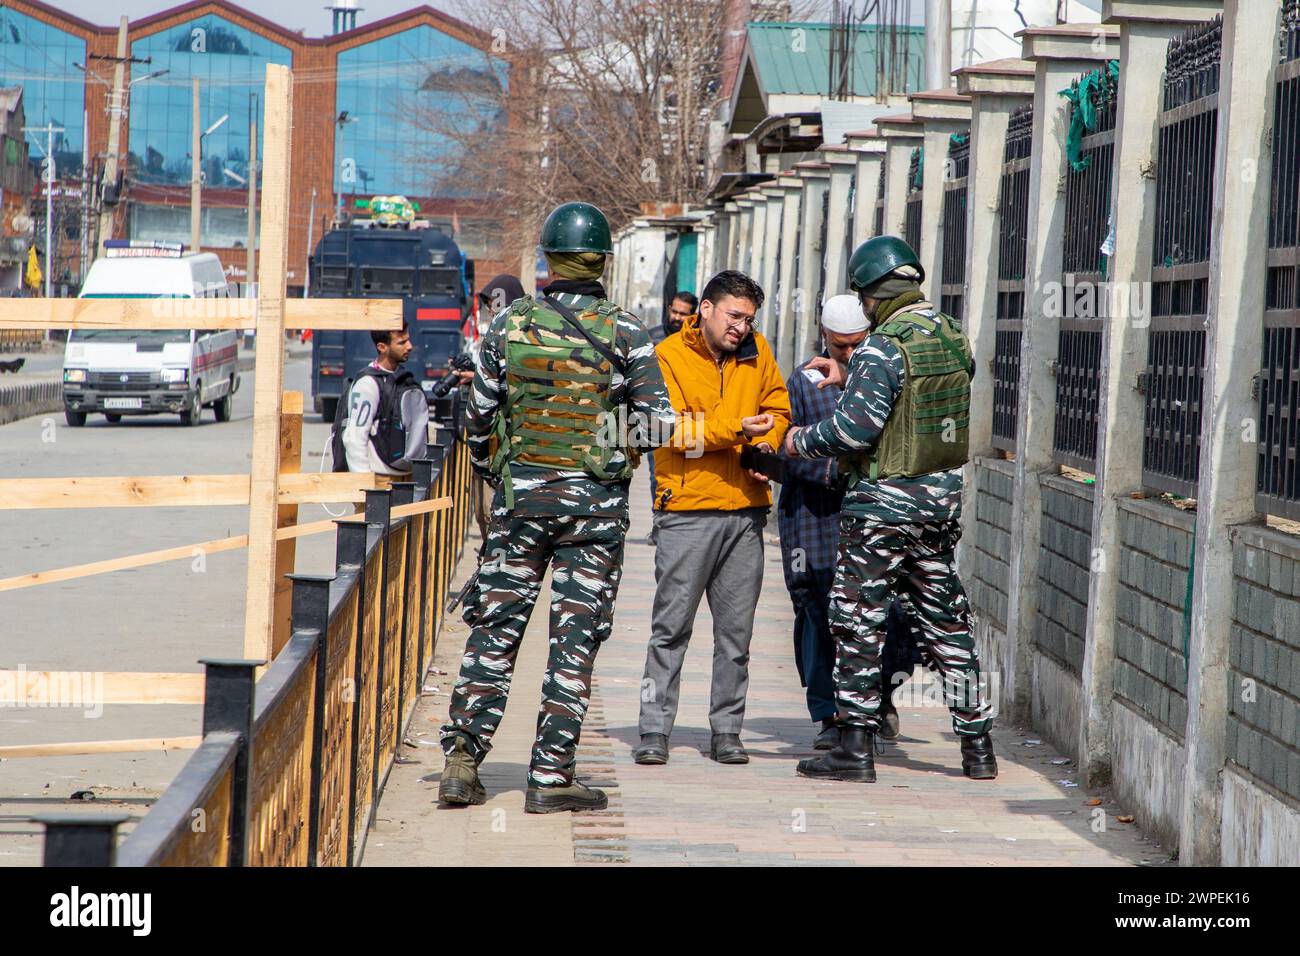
[{"x": 795, "y": 57}]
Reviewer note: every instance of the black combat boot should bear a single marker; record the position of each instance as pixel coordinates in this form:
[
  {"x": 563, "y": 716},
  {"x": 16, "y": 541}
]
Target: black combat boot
[
  {"x": 727, "y": 748},
  {"x": 653, "y": 750},
  {"x": 829, "y": 735},
  {"x": 851, "y": 759},
  {"x": 977, "y": 760},
  {"x": 575, "y": 796}
]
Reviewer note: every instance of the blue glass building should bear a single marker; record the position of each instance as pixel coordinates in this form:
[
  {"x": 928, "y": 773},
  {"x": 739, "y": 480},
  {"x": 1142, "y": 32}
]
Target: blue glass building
[{"x": 39, "y": 57}]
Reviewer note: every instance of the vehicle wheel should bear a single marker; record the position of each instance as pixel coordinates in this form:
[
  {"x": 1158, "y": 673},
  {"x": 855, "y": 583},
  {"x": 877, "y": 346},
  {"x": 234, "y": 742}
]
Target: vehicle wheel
[
  {"x": 225, "y": 404},
  {"x": 113, "y": 418},
  {"x": 192, "y": 414},
  {"x": 75, "y": 419},
  {"x": 328, "y": 407}
]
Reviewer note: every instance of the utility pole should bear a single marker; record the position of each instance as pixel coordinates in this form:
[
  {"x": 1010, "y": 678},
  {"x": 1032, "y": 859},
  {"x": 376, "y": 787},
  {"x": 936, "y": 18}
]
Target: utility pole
[
  {"x": 251, "y": 269},
  {"x": 117, "y": 99},
  {"x": 196, "y": 188},
  {"x": 938, "y": 44},
  {"x": 311, "y": 222},
  {"x": 49, "y": 129}
]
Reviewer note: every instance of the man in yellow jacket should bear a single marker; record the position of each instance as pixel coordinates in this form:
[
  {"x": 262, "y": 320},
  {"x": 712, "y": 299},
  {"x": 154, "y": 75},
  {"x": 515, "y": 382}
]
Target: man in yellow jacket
[{"x": 710, "y": 510}]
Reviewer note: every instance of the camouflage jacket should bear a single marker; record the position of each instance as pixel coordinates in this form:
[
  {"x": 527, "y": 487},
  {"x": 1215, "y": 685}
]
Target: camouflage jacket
[
  {"x": 638, "y": 391},
  {"x": 876, "y": 374}
]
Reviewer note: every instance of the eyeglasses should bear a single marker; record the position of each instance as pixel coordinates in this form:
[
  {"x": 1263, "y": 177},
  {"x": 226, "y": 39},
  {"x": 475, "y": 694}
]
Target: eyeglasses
[{"x": 739, "y": 320}]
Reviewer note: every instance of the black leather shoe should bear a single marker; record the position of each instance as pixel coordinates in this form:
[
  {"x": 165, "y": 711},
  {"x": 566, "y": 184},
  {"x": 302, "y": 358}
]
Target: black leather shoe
[
  {"x": 851, "y": 759},
  {"x": 727, "y": 748},
  {"x": 576, "y": 796},
  {"x": 977, "y": 760},
  {"x": 829, "y": 735},
  {"x": 889, "y": 720},
  {"x": 653, "y": 749}
]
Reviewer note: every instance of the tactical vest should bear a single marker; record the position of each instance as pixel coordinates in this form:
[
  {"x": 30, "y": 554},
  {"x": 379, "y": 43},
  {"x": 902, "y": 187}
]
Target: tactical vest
[
  {"x": 929, "y": 427},
  {"x": 557, "y": 405}
]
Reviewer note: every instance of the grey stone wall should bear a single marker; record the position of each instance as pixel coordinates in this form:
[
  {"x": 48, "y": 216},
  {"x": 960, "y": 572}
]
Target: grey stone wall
[
  {"x": 1150, "y": 665},
  {"x": 991, "y": 547},
  {"x": 1065, "y": 555},
  {"x": 1264, "y": 659}
]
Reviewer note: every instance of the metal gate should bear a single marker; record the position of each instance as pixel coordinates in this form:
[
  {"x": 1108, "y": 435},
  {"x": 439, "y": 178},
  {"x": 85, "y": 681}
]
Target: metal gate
[
  {"x": 1174, "y": 377},
  {"x": 912, "y": 222},
  {"x": 954, "y": 226},
  {"x": 1278, "y": 480},
  {"x": 1084, "y": 297},
  {"x": 1013, "y": 223}
]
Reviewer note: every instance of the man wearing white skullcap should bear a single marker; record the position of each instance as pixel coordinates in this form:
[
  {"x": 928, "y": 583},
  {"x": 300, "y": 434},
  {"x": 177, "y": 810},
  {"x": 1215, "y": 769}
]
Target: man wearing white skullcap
[{"x": 809, "y": 516}]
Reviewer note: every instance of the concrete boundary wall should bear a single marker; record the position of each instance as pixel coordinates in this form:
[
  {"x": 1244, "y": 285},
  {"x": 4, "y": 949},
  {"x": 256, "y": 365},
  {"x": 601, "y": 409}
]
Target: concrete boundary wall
[{"x": 29, "y": 397}]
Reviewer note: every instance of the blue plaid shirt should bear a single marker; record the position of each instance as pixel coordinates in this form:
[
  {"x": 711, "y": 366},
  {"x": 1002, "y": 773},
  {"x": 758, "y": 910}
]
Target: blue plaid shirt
[{"x": 809, "y": 511}]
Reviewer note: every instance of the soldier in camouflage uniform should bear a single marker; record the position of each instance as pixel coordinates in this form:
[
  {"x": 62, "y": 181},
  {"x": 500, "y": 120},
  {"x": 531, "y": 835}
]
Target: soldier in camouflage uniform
[
  {"x": 901, "y": 431},
  {"x": 566, "y": 392}
]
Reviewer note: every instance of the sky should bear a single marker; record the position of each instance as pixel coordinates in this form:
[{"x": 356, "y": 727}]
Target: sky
[{"x": 312, "y": 17}]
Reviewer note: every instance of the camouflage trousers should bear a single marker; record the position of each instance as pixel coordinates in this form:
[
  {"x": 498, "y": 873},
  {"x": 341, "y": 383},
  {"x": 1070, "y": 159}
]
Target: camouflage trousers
[
  {"x": 877, "y": 561},
  {"x": 586, "y": 558}
]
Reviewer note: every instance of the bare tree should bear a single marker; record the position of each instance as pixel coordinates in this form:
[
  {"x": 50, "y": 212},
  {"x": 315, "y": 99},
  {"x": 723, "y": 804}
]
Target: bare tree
[{"x": 608, "y": 101}]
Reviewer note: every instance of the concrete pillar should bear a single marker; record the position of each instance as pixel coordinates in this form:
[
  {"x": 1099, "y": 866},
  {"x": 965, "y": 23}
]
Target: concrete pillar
[
  {"x": 704, "y": 255},
  {"x": 775, "y": 201},
  {"x": 784, "y": 331},
  {"x": 870, "y": 154},
  {"x": 902, "y": 134},
  {"x": 1059, "y": 55},
  {"x": 1145, "y": 31},
  {"x": 816, "y": 181},
  {"x": 1233, "y": 346},
  {"x": 1004, "y": 86},
  {"x": 943, "y": 112},
  {"x": 757, "y": 238},
  {"x": 721, "y": 241},
  {"x": 843, "y": 167},
  {"x": 745, "y": 232}
]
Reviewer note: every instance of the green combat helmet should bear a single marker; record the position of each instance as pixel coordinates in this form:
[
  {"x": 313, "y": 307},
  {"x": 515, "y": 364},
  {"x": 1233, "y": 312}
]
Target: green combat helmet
[
  {"x": 576, "y": 227},
  {"x": 877, "y": 258}
]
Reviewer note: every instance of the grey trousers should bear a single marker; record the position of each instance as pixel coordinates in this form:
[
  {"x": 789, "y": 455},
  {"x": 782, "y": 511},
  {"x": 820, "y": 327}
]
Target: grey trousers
[{"x": 713, "y": 553}]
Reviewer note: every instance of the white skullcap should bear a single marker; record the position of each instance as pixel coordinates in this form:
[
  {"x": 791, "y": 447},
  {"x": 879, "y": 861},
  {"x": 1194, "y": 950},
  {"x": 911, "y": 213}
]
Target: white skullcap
[{"x": 842, "y": 314}]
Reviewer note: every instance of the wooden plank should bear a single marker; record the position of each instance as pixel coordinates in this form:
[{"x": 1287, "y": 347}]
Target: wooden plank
[
  {"x": 110, "y": 687},
  {"x": 192, "y": 550},
  {"x": 325, "y": 314},
  {"x": 259, "y": 604},
  {"x": 172, "y": 491},
  {"x": 286, "y": 550},
  {"x": 139, "y": 744}
]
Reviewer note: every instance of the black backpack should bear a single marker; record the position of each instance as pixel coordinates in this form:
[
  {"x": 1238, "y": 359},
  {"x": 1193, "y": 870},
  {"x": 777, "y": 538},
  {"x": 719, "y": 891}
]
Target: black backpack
[{"x": 390, "y": 437}]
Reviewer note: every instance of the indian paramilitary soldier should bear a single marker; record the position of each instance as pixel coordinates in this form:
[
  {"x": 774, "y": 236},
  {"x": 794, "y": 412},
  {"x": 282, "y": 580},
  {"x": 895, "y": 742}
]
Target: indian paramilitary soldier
[
  {"x": 567, "y": 391},
  {"x": 901, "y": 431}
]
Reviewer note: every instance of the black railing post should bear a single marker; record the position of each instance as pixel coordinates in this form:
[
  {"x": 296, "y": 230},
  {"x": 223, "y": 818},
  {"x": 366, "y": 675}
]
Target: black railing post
[
  {"x": 403, "y": 494},
  {"x": 80, "y": 839},
  {"x": 228, "y": 692},
  {"x": 350, "y": 560},
  {"x": 311, "y": 605},
  {"x": 422, "y": 476},
  {"x": 379, "y": 509}
]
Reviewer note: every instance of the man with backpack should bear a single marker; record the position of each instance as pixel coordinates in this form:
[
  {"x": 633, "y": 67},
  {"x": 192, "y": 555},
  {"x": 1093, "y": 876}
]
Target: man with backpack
[
  {"x": 383, "y": 422},
  {"x": 558, "y": 378}
]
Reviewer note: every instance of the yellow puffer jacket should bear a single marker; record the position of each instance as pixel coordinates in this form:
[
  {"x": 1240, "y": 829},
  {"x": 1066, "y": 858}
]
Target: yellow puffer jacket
[{"x": 701, "y": 470}]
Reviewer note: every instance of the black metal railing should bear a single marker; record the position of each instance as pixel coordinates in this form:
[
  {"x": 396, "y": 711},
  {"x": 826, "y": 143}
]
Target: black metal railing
[
  {"x": 1278, "y": 475},
  {"x": 952, "y": 288},
  {"x": 912, "y": 220},
  {"x": 880, "y": 201},
  {"x": 1013, "y": 224},
  {"x": 289, "y": 769},
  {"x": 1083, "y": 298},
  {"x": 1172, "y": 381}
]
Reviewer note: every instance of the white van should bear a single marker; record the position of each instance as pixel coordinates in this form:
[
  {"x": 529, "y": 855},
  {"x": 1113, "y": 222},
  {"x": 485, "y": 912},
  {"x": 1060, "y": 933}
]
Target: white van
[{"x": 146, "y": 372}]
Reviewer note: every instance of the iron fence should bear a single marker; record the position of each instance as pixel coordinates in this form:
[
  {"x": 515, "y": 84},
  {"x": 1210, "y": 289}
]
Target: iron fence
[
  {"x": 880, "y": 201},
  {"x": 1013, "y": 224},
  {"x": 952, "y": 287},
  {"x": 1093, "y": 98},
  {"x": 912, "y": 221},
  {"x": 1173, "y": 380},
  {"x": 1278, "y": 474},
  {"x": 290, "y": 768}
]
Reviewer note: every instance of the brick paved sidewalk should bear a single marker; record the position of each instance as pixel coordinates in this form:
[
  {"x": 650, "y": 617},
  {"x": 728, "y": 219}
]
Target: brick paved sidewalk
[{"x": 693, "y": 811}]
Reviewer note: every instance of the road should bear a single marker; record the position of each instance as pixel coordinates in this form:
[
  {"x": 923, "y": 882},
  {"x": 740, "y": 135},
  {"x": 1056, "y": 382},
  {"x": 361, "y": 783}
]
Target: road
[{"x": 161, "y": 618}]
